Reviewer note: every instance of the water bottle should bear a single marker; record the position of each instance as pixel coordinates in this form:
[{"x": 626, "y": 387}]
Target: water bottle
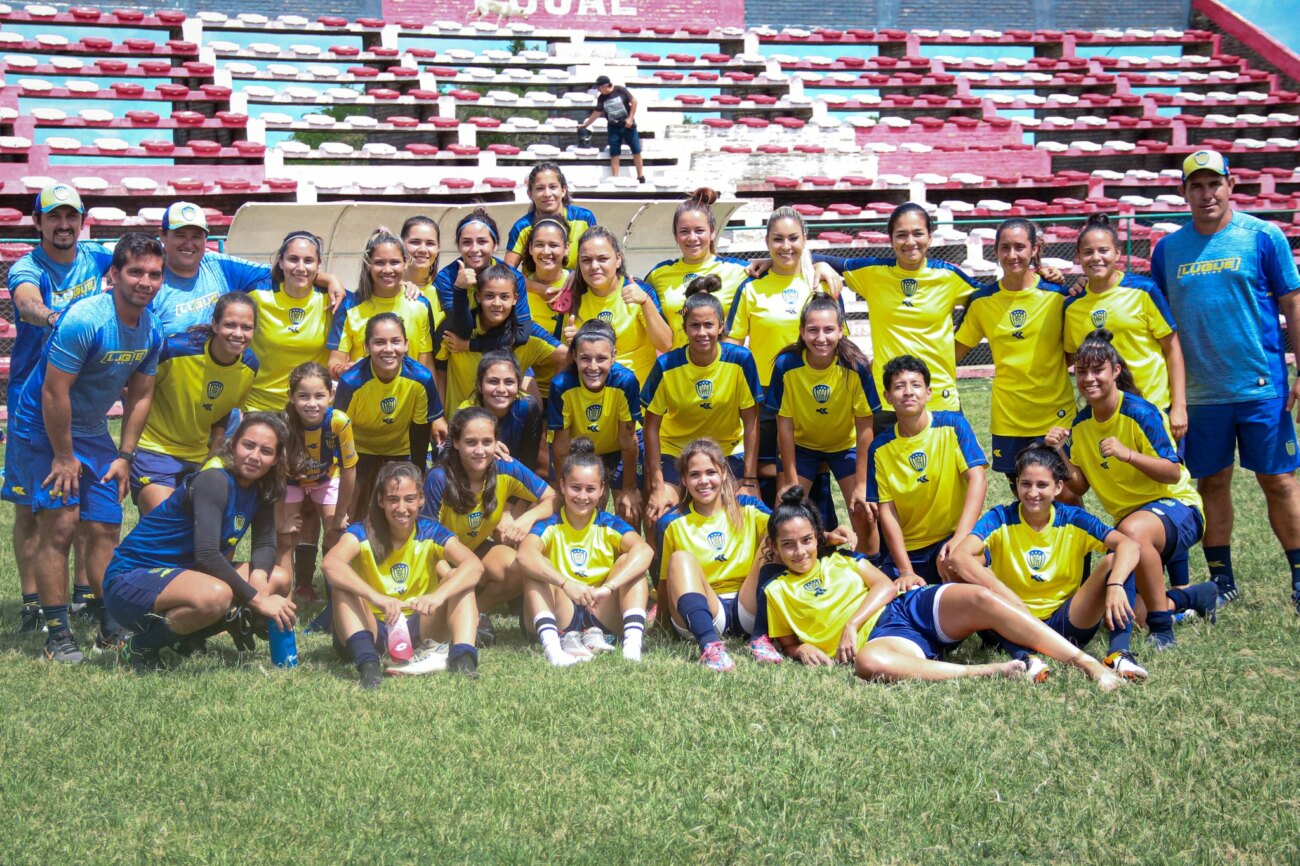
[{"x": 284, "y": 645}]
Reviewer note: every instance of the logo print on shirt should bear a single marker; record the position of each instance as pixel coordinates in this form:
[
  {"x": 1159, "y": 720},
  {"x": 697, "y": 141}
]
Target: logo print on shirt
[
  {"x": 606, "y": 316},
  {"x": 296, "y": 317},
  {"x": 578, "y": 556},
  {"x": 1209, "y": 267},
  {"x": 124, "y": 356},
  {"x": 704, "y": 388},
  {"x": 1099, "y": 318},
  {"x": 686, "y": 280},
  {"x": 919, "y": 461},
  {"x": 387, "y": 405},
  {"x": 475, "y": 521},
  {"x": 717, "y": 540},
  {"x": 909, "y": 287},
  {"x": 816, "y": 587},
  {"x": 240, "y": 522},
  {"x": 1018, "y": 319},
  {"x": 399, "y": 573},
  {"x": 822, "y": 393},
  {"x": 213, "y": 391},
  {"x": 1036, "y": 559}
]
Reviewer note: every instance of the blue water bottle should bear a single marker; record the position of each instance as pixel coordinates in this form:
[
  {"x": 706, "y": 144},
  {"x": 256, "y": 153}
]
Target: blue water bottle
[{"x": 284, "y": 645}]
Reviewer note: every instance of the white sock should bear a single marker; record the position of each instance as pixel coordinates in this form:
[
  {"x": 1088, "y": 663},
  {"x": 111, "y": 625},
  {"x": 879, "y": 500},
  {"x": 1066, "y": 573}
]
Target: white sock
[
  {"x": 633, "y": 632},
  {"x": 549, "y": 635}
]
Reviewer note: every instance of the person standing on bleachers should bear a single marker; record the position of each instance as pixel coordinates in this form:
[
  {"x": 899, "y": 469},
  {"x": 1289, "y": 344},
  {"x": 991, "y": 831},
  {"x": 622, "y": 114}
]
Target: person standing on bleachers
[
  {"x": 42, "y": 284},
  {"x": 618, "y": 106},
  {"x": 1227, "y": 276}
]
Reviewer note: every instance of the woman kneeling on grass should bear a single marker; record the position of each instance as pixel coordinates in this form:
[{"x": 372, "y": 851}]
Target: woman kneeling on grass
[
  {"x": 171, "y": 580},
  {"x": 596, "y": 561},
  {"x": 831, "y": 606},
  {"x": 396, "y": 560}
]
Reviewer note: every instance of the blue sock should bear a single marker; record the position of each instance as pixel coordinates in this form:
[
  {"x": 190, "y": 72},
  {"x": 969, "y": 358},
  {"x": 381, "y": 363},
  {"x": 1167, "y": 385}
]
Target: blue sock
[
  {"x": 324, "y": 621},
  {"x": 56, "y": 618},
  {"x": 1293, "y": 562},
  {"x": 694, "y": 608},
  {"x": 1219, "y": 561},
  {"x": 362, "y": 648},
  {"x": 107, "y": 624},
  {"x": 760, "y": 615},
  {"x": 462, "y": 649},
  {"x": 1161, "y": 625},
  {"x": 1178, "y": 573},
  {"x": 82, "y": 593},
  {"x": 31, "y": 599},
  {"x": 1015, "y": 650},
  {"x": 157, "y": 635},
  {"x": 1122, "y": 640},
  {"x": 1182, "y": 598}
]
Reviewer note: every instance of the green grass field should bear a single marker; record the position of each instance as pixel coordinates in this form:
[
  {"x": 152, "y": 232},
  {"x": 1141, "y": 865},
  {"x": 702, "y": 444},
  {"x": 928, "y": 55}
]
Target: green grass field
[{"x": 229, "y": 760}]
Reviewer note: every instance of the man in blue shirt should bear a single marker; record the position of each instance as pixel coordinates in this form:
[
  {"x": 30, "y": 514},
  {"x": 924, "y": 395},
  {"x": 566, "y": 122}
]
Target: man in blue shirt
[
  {"x": 42, "y": 284},
  {"x": 67, "y": 462},
  {"x": 1228, "y": 276}
]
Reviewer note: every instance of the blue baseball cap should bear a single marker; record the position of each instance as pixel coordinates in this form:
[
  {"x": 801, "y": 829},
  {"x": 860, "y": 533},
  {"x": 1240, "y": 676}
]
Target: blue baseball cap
[
  {"x": 58, "y": 195},
  {"x": 180, "y": 214}
]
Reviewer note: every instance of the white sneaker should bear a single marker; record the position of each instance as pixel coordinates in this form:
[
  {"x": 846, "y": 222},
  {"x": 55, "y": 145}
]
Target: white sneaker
[
  {"x": 429, "y": 658},
  {"x": 1036, "y": 670},
  {"x": 1126, "y": 666},
  {"x": 632, "y": 650},
  {"x": 571, "y": 643},
  {"x": 594, "y": 640}
]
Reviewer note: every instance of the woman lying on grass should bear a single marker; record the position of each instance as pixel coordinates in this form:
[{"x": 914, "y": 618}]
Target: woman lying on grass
[{"x": 831, "y": 606}]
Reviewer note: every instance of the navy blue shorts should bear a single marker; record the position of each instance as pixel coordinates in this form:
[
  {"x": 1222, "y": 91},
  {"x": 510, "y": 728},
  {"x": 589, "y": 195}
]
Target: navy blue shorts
[
  {"x": 769, "y": 451},
  {"x": 614, "y": 466},
  {"x": 914, "y": 616},
  {"x": 150, "y": 467},
  {"x": 1059, "y": 622},
  {"x": 97, "y": 500},
  {"x": 1183, "y": 524},
  {"x": 130, "y": 595},
  {"x": 584, "y": 619},
  {"x": 842, "y": 464},
  {"x": 668, "y": 465},
  {"x": 619, "y": 135},
  {"x": 1260, "y": 432},
  {"x": 1005, "y": 449},
  {"x": 925, "y": 561}
]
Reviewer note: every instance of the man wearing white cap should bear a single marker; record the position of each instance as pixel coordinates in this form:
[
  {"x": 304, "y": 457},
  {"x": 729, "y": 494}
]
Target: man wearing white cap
[
  {"x": 195, "y": 277},
  {"x": 42, "y": 284},
  {"x": 1227, "y": 276}
]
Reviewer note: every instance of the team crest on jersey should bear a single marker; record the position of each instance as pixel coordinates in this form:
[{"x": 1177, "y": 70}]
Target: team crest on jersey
[
  {"x": 594, "y": 411},
  {"x": 331, "y": 441},
  {"x": 909, "y": 287},
  {"x": 606, "y": 316},
  {"x": 239, "y": 522},
  {"x": 821, "y": 393},
  {"x": 704, "y": 388},
  {"x": 816, "y": 587},
  {"x": 387, "y": 405},
  {"x": 1018, "y": 318},
  {"x": 790, "y": 295},
  {"x": 688, "y": 279},
  {"x": 475, "y": 521},
  {"x": 1099, "y": 318},
  {"x": 400, "y": 572},
  {"x": 578, "y": 556},
  {"x": 1290, "y": 448},
  {"x": 297, "y": 315},
  {"x": 918, "y": 460},
  {"x": 1036, "y": 558},
  {"x": 215, "y": 389}
]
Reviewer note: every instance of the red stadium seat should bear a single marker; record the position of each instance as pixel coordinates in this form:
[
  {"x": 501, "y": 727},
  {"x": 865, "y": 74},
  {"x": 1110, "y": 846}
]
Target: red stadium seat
[
  {"x": 835, "y": 237},
  {"x": 646, "y": 57},
  {"x": 682, "y": 58},
  {"x": 669, "y": 75},
  {"x": 282, "y": 184},
  {"x": 194, "y": 67},
  {"x": 716, "y": 58},
  {"x": 753, "y": 122},
  {"x": 215, "y": 91},
  {"x": 717, "y": 122},
  {"x": 10, "y": 215},
  {"x": 777, "y": 180},
  {"x": 232, "y": 119},
  {"x": 128, "y": 16},
  {"x": 457, "y": 183},
  {"x": 690, "y": 99},
  {"x": 844, "y": 209},
  {"x": 156, "y": 67},
  {"x": 808, "y": 210},
  {"x": 84, "y": 13},
  {"x": 188, "y": 184},
  {"x": 403, "y": 72},
  {"x": 250, "y": 148},
  {"x": 372, "y": 23},
  {"x": 422, "y": 94},
  {"x": 483, "y": 122},
  {"x": 108, "y": 65},
  {"x": 362, "y": 71},
  {"x": 384, "y": 93},
  {"x": 504, "y": 149},
  {"x": 761, "y": 99},
  {"x": 704, "y": 75},
  {"x": 173, "y": 91},
  {"x": 419, "y": 148},
  {"x": 345, "y": 51},
  {"x": 726, "y": 99},
  {"x": 233, "y": 184},
  {"x": 170, "y": 16},
  {"x": 773, "y": 148},
  {"x": 856, "y": 180},
  {"x": 180, "y": 46},
  {"x": 401, "y": 121},
  {"x": 188, "y": 118},
  {"x": 158, "y": 147},
  {"x": 809, "y": 148},
  {"x": 142, "y": 118},
  {"x": 332, "y": 21},
  {"x": 442, "y": 71},
  {"x": 136, "y": 44},
  {"x": 818, "y": 180},
  {"x": 736, "y": 148},
  {"x": 462, "y": 149},
  {"x": 466, "y": 95},
  {"x": 204, "y": 146},
  {"x": 127, "y": 89}
]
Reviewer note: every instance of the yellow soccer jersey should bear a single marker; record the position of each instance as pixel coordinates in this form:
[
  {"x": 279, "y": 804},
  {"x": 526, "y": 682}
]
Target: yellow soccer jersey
[
  {"x": 429, "y": 292},
  {"x": 628, "y": 322},
  {"x": 670, "y": 279},
  {"x": 1031, "y": 383},
  {"x": 543, "y": 316},
  {"x": 408, "y": 571},
  {"x": 191, "y": 393},
  {"x": 815, "y": 607},
  {"x": 579, "y": 219},
  {"x": 822, "y": 403},
  {"x": 513, "y": 480},
  {"x": 724, "y": 552},
  {"x": 329, "y": 447},
  {"x": 766, "y": 311},
  {"x": 1123, "y": 488},
  {"x": 922, "y": 476},
  {"x": 911, "y": 314},
  {"x": 702, "y": 401},
  {"x": 1043, "y": 568},
  {"x": 1136, "y": 313},
  {"x": 348, "y": 331},
  {"x": 585, "y": 555},
  {"x": 594, "y": 414},
  {"x": 382, "y": 412},
  {"x": 462, "y": 367},
  {"x": 290, "y": 331}
]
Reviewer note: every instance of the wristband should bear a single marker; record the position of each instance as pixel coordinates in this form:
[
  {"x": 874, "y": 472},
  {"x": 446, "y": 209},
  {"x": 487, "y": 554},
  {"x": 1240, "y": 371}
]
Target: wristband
[
  {"x": 1120, "y": 585},
  {"x": 128, "y": 456}
]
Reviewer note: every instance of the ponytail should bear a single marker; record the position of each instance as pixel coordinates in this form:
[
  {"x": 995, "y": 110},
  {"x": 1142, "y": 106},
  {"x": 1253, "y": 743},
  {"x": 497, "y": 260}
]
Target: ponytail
[{"x": 1097, "y": 349}]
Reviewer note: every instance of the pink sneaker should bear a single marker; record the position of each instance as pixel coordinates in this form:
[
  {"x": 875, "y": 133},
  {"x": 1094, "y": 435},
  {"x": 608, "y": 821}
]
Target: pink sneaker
[
  {"x": 400, "y": 648},
  {"x": 763, "y": 650},
  {"x": 715, "y": 657}
]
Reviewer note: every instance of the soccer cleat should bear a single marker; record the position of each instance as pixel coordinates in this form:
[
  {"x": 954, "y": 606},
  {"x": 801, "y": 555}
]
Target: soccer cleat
[
  {"x": 62, "y": 648},
  {"x": 428, "y": 659},
  {"x": 239, "y": 625},
  {"x": 487, "y": 635},
  {"x": 31, "y": 620},
  {"x": 1036, "y": 670},
  {"x": 763, "y": 650},
  {"x": 571, "y": 643},
  {"x": 189, "y": 645},
  {"x": 305, "y": 593},
  {"x": 465, "y": 664},
  {"x": 85, "y": 611},
  {"x": 1125, "y": 665},
  {"x": 111, "y": 641},
  {"x": 1185, "y": 617},
  {"x": 1228, "y": 591},
  {"x": 715, "y": 657},
  {"x": 595, "y": 641},
  {"x": 140, "y": 661},
  {"x": 371, "y": 676},
  {"x": 1159, "y": 642}
]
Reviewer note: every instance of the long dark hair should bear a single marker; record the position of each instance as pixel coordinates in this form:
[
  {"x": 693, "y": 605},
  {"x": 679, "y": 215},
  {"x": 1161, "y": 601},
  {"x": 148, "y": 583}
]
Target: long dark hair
[
  {"x": 592, "y": 234},
  {"x": 591, "y": 331},
  {"x": 297, "y": 445},
  {"x": 225, "y": 302},
  {"x": 421, "y": 220},
  {"x": 903, "y": 210},
  {"x": 458, "y": 493},
  {"x": 366, "y": 283},
  {"x": 582, "y": 453},
  {"x": 1041, "y": 454},
  {"x": 532, "y": 177},
  {"x": 489, "y": 360},
  {"x": 793, "y": 505},
  {"x": 700, "y": 201},
  {"x": 1030, "y": 229},
  {"x": 381, "y": 541},
  {"x": 478, "y": 215},
  {"x": 498, "y": 272},
  {"x": 846, "y": 351},
  {"x": 702, "y": 294},
  {"x": 527, "y": 262},
  {"x": 277, "y": 271},
  {"x": 1098, "y": 348},
  {"x": 271, "y": 485}
]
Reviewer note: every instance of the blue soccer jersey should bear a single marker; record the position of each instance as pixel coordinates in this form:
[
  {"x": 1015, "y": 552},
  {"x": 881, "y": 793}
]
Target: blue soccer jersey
[{"x": 187, "y": 301}]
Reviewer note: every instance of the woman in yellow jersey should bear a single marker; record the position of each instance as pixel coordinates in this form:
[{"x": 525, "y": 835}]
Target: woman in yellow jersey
[
  {"x": 1036, "y": 550},
  {"x": 1021, "y": 317},
  {"x": 584, "y": 568},
  {"x": 604, "y": 291},
  {"x": 543, "y": 263},
  {"x": 469, "y": 492},
  {"x": 548, "y": 192},
  {"x": 323, "y": 470},
  {"x": 703, "y": 389},
  {"x": 392, "y": 402},
  {"x": 708, "y": 558},
  {"x": 1120, "y": 447},
  {"x": 495, "y": 295},
  {"x": 391, "y": 561},
  {"x": 293, "y": 321},
  {"x": 204, "y": 374},
  {"x": 1135, "y": 311},
  {"x": 380, "y": 290},
  {"x": 520, "y": 420},
  {"x": 827, "y": 606},
  {"x": 696, "y": 232},
  {"x": 477, "y": 240},
  {"x": 823, "y": 396},
  {"x": 765, "y": 312},
  {"x": 598, "y": 398},
  {"x": 423, "y": 240}
]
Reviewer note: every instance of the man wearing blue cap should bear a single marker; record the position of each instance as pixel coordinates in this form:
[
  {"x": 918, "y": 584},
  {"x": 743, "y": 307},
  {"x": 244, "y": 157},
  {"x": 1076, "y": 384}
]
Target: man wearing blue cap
[
  {"x": 1227, "y": 276},
  {"x": 42, "y": 284}
]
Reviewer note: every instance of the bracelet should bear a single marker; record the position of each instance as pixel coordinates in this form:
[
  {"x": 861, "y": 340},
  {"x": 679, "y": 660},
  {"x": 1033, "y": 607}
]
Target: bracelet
[
  {"x": 128, "y": 456},
  {"x": 1120, "y": 585}
]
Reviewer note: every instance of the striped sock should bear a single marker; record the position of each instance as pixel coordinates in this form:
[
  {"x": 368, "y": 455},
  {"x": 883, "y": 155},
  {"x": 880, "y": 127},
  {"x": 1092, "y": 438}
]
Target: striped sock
[
  {"x": 633, "y": 632},
  {"x": 549, "y": 634}
]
